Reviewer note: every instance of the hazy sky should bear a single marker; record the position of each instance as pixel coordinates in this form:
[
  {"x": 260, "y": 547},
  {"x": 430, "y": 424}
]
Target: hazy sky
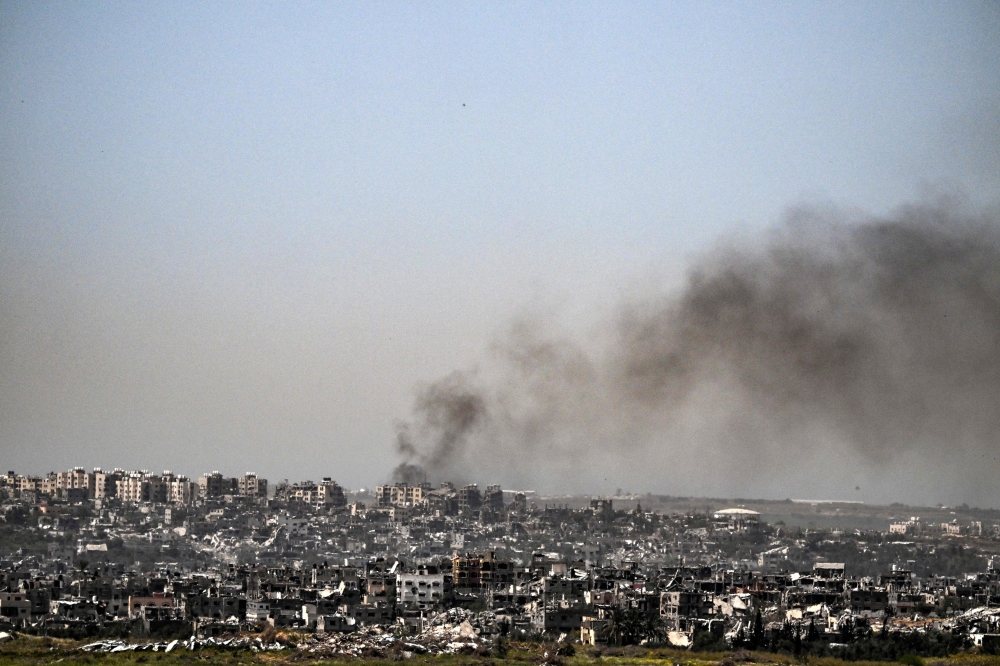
[{"x": 238, "y": 236}]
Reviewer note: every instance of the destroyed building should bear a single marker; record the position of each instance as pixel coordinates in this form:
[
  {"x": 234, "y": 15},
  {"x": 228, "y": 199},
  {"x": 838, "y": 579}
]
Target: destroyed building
[{"x": 226, "y": 555}]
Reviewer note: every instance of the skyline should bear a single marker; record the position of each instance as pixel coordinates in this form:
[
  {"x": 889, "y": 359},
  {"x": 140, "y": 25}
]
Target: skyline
[{"x": 257, "y": 233}]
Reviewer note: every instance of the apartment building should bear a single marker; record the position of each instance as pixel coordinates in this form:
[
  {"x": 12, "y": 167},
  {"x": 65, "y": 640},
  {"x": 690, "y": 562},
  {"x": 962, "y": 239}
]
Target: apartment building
[
  {"x": 401, "y": 494},
  {"x": 251, "y": 485},
  {"x": 142, "y": 486},
  {"x": 216, "y": 485},
  {"x": 181, "y": 490},
  {"x": 106, "y": 483},
  {"x": 77, "y": 477}
]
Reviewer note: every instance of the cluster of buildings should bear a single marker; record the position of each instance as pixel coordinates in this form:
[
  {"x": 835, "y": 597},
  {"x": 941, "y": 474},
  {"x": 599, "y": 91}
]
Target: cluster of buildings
[
  {"x": 159, "y": 554},
  {"x": 79, "y": 485},
  {"x": 915, "y": 527},
  {"x": 446, "y": 500}
]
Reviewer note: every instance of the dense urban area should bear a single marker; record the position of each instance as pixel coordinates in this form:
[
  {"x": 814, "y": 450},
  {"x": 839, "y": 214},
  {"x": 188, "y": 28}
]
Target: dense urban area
[{"x": 130, "y": 560}]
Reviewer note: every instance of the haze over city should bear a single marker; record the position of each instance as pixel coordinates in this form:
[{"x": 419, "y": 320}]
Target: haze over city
[{"x": 716, "y": 249}]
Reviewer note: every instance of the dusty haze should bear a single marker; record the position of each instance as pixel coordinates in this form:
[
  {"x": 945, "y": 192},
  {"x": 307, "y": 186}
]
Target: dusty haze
[
  {"x": 246, "y": 240},
  {"x": 836, "y": 354}
]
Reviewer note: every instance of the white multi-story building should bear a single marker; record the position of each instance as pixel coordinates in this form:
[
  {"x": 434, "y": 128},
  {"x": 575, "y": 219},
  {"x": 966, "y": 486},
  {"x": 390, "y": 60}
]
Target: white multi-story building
[
  {"x": 252, "y": 485},
  {"x": 402, "y": 494},
  {"x": 420, "y": 589},
  {"x": 142, "y": 486},
  {"x": 106, "y": 483},
  {"x": 77, "y": 477},
  {"x": 327, "y": 493},
  {"x": 181, "y": 490}
]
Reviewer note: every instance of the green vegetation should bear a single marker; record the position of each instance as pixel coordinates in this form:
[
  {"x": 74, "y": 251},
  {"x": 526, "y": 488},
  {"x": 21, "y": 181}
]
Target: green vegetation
[
  {"x": 47, "y": 650},
  {"x": 14, "y": 538}
]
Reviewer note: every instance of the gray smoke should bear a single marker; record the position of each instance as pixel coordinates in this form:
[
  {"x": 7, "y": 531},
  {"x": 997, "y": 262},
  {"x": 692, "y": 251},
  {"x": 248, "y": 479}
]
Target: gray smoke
[
  {"x": 447, "y": 411},
  {"x": 831, "y": 351}
]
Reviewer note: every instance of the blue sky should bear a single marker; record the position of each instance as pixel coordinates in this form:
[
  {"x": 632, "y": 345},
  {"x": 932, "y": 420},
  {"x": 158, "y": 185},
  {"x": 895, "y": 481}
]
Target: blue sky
[{"x": 240, "y": 234}]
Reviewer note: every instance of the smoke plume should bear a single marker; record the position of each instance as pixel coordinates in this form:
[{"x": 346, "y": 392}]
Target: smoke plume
[{"x": 828, "y": 352}]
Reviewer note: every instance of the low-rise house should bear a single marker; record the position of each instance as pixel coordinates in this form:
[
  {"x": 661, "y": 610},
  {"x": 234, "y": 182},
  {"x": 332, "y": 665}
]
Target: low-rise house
[
  {"x": 204, "y": 606},
  {"x": 137, "y": 604},
  {"x": 15, "y": 607},
  {"x": 334, "y": 623}
]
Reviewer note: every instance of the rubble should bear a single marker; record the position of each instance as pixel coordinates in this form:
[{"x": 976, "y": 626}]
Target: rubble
[
  {"x": 439, "y": 639},
  {"x": 420, "y": 570},
  {"x": 238, "y": 643}
]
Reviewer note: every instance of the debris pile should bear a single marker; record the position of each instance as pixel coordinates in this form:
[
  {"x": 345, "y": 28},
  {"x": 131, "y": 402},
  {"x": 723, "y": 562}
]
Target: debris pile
[
  {"x": 373, "y": 642},
  {"x": 447, "y": 633},
  {"x": 238, "y": 643},
  {"x": 455, "y": 631}
]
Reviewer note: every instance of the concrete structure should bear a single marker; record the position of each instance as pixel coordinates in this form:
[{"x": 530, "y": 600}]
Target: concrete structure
[{"x": 738, "y": 520}]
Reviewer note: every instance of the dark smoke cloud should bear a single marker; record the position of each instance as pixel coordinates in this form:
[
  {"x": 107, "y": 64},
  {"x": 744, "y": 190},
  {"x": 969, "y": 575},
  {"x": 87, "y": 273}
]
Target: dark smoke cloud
[
  {"x": 828, "y": 349},
  {"x": 448, "y": 412}
]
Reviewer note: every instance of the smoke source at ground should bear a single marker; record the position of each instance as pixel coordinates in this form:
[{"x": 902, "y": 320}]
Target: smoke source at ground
[{"x": 827, "y": 351}]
